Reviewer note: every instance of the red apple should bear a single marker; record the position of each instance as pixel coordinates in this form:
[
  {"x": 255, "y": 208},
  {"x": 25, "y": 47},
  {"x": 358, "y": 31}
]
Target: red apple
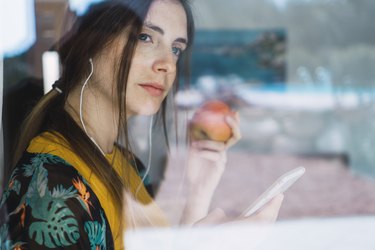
[{"x": 208, "y": 122}]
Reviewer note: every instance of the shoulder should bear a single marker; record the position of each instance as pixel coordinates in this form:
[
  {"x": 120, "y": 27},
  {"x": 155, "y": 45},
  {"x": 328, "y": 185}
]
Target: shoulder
[{"x": 48, "y": 204}]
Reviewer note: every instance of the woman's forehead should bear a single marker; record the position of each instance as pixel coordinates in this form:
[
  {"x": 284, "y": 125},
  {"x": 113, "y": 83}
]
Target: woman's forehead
[{"x": 168, "y": 15}]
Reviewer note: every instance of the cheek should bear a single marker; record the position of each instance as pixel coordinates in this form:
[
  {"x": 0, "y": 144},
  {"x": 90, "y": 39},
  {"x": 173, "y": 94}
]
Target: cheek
[
  {"x": 142, "y": 55},
  {"x": 171, "y": 83},
  {"x": 140, "y": 67}
]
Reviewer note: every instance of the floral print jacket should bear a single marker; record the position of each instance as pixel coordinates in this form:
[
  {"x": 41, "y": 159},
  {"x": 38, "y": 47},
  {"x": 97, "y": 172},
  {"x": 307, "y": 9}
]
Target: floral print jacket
[{"x": 48, "y": 204}]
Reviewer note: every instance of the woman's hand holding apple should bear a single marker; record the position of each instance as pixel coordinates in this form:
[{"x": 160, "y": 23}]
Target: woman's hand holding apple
[
  {"x": 213, "y": 129},
  {"x": 215, "y": 121},
  {"x": 233, "y": 122}
]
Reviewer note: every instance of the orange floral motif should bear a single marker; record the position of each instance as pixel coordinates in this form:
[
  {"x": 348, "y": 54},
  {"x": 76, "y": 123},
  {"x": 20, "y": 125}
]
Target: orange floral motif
[
  {"x": 18, "y": 246},
  {"x": 84, "y": 195},
  {"x": 23, "y": 214},
  {"x": 11, "y": 183}
]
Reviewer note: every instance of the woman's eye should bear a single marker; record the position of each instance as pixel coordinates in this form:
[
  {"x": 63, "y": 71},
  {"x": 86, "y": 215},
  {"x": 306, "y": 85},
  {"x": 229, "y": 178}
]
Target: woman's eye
[
  {"x": 177, "y": 51},
  {"x": 144, "y": 37}
]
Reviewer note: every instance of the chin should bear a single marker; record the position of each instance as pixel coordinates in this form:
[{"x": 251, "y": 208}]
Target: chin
[
  {"x": 149, "y": 109},
  {"x": 149, "y": 112}
]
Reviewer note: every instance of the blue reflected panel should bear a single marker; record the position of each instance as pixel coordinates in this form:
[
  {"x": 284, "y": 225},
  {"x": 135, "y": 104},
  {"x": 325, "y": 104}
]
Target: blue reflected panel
[
  {"x": 17, "y": 26},
  {"x": 80, "y": 6},
  {"x": 257, "y": 56},
  {"x": 280, "y": 4}
]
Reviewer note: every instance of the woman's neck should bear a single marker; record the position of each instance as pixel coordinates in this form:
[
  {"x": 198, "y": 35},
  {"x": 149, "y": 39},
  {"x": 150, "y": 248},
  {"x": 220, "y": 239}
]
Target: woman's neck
[{"x": 98, "y": 119}]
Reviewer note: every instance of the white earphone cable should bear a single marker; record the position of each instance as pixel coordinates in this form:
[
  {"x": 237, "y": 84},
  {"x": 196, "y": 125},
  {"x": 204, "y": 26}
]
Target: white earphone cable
[
  {"x": 81, "y": 105},
  {"x": 143, "y": 209},
  {"x": 149, "y": 154}
]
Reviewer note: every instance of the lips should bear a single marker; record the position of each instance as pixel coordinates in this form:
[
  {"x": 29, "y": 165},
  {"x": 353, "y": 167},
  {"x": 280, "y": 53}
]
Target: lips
[{"x": 153, "y": 89}]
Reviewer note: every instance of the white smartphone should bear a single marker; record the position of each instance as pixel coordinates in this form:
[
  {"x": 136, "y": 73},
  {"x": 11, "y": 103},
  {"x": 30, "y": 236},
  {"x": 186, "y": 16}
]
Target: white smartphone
[{"x": 278, "y": 187}]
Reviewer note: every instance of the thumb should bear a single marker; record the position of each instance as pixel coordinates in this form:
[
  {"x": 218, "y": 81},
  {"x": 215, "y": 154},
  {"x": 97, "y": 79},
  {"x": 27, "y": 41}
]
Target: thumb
[
  {"x": 216, "y": 216},
  {"x": 270, "y": 212}
]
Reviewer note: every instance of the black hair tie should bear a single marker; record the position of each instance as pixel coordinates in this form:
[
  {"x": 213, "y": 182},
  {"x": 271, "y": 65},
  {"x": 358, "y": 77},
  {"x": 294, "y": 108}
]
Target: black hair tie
[{"x": 57, "y": 85}]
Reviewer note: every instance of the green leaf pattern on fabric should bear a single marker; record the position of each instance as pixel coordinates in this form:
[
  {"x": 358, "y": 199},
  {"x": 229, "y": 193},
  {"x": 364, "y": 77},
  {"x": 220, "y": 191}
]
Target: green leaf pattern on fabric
[
  {"x": 59, "y": 192},
  {"x": 40, "y": 160},
  {"x": 13, "y": 185},
  {"x": 57, "y": 226},
  {"x": 5, "y": 243},
  {"x": 54, "y": 224},
  {"x": 96, "y": 233}
]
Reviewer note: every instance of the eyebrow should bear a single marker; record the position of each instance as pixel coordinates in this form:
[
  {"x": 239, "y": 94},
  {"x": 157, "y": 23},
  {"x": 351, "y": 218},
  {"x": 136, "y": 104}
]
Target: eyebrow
[{"x": 161, "y": 31}]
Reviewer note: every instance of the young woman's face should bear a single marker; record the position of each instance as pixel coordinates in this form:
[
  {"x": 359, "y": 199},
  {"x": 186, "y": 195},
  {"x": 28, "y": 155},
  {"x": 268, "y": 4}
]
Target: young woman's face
[{"x": 153, "y": 69}]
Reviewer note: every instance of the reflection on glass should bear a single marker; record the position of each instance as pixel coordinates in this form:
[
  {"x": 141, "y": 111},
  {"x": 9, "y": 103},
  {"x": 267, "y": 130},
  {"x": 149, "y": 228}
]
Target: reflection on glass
[{"x": 299, "y": 73}]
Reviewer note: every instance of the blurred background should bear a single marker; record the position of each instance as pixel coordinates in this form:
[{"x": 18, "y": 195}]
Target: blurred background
[{"x": 301, "y": 75}]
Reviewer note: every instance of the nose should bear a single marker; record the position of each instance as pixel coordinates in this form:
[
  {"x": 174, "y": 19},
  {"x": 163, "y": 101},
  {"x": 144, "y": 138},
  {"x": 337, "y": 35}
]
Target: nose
[{"x": 165, "y": 62}]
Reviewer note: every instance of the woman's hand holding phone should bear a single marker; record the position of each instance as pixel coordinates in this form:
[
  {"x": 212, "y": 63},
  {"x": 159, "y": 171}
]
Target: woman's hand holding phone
[
  {"x": 282, "y": 184},
  {"x": 268, "y": 214},
  {"x": 265, "y": 208},
  {"x": 258, "y": 225}
]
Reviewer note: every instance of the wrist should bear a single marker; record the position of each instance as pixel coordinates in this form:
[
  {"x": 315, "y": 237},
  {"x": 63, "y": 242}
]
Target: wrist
[{"x": 195, "y": 209}]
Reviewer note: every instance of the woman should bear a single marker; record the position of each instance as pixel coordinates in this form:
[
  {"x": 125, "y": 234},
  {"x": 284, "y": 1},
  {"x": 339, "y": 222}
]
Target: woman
[{"x": 73, "y": 187}]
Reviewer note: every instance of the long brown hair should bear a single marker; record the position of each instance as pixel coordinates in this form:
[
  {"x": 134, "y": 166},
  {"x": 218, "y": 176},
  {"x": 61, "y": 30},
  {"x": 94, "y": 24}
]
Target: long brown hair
[{"x": 89, "y": 36}]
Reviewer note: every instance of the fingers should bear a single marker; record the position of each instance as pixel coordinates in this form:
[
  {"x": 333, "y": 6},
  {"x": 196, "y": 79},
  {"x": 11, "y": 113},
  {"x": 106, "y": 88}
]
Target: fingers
[
  {"x": 233, "y": 122},
  {"x": 270, "y": 212},
  {"x": 208, "y": 145},
  {"x": 214, "y": 156},
  {"x": 267, "y": 215},
  {"x": 215, "y": 217},
  {"x": 210, "y": 150}
]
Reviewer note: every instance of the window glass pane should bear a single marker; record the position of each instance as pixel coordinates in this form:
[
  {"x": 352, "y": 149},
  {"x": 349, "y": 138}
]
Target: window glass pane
[{"x": 299, "y": 75}]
